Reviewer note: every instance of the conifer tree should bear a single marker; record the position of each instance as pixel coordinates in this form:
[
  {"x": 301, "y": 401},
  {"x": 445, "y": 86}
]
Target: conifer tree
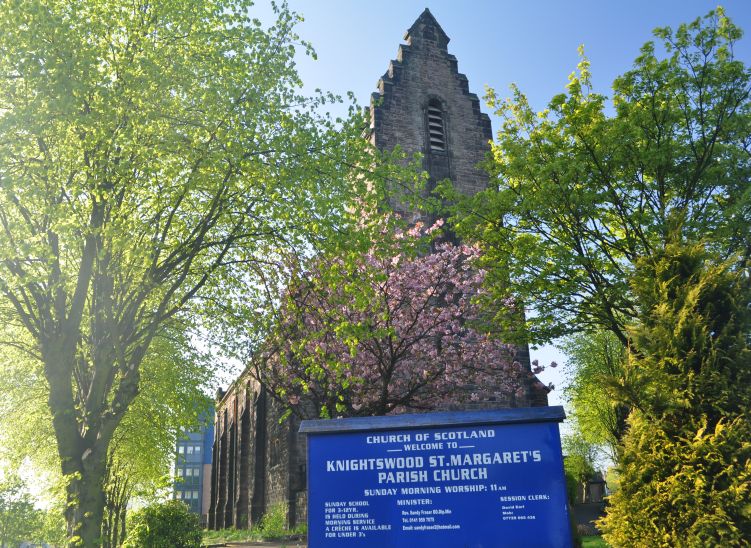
[{"x": 686, "y": 462}]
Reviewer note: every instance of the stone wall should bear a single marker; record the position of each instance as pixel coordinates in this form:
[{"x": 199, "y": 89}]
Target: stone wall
[{"x": 259, "y": 459}]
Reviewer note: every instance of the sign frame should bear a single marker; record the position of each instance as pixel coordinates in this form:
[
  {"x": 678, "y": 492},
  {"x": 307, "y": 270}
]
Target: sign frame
[{"x": 526, "y": 424}]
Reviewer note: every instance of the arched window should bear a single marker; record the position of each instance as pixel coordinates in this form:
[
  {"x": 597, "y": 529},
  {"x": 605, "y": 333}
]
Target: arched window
[{"x": 436, "y": 127}]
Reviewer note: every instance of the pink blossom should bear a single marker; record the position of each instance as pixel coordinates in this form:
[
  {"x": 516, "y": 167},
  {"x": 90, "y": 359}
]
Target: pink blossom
[{"x": 390, "y": 333}]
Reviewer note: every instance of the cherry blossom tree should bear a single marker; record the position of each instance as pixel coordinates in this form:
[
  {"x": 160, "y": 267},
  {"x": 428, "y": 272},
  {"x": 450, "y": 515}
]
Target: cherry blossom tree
[{"x": 390, "y": 333}]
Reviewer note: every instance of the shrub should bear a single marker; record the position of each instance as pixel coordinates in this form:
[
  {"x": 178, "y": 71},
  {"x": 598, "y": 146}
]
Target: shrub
[
  {"x": 274, "y": 522},
  {"x": 164, "y": 525}
]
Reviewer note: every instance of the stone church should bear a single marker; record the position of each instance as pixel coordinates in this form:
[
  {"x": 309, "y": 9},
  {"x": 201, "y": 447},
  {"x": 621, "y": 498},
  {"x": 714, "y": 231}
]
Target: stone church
[{"x": 423, "y": 104}]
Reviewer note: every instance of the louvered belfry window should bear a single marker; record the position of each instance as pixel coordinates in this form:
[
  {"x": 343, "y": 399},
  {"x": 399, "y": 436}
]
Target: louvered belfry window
[{"x": 436, "y": 128}]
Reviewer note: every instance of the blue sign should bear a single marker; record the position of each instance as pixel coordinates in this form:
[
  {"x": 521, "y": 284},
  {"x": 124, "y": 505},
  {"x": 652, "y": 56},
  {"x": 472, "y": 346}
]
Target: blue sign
[{"x": 467, "y": 479}]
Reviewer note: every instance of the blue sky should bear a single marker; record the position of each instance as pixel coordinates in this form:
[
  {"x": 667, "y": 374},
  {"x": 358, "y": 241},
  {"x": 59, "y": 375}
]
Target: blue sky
[{"x": 531, "y": 43}]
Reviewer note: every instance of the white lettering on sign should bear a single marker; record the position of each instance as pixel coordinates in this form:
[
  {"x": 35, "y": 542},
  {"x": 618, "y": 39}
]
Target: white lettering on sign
[
  {"x": 389, "y": 438},
  {"x": 506, "y": 457},
  {"x": 355, "y": 465},
  {"x": 412, "y": 476},
  {"x": 463, "y": 435}
]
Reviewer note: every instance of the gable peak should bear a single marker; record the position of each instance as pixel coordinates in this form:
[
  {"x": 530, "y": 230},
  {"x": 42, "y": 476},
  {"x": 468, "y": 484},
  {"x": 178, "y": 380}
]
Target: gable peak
[{"x": 426, "y": 29}]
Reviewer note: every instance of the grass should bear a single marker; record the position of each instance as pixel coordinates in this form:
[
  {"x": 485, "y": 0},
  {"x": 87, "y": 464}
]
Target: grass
[
  {"x": 257, "y": 534},
  {"x": 249, "y": 535},
  {"x": 230, "y": 535},
  {"x": 593, "y": 541},
  {"x": 271, "y": 528}
]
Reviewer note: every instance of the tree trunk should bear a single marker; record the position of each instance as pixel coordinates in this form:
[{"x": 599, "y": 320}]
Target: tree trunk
[
  {"x": 83, "y": 435},
  {"x": 117, "y": 494},
  {"x": 81, "y": 456},
  {"x": 121, "y": 519},
  {"x": 85, "y": 504}
]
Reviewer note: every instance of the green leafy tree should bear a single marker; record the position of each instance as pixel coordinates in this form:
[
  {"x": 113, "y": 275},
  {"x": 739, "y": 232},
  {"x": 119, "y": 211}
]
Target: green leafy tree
[
  {"x": 685, "y": 472},
  {"x": 164, "y": 525},
  {"x": 53, "y": 527},
  {"x": 579, "y": 196},
  {"x": 118, "y": 491},
  {"x": 19, "y": 520},
  {"x": 26, "y": 435},
  {"x": 578, "y": 464},
  {"x": 174, "y": 381},
  {"x": 156, "y": 160},
  {"x": 594, "y": 366},
  {"x": 141, "y": 456}
]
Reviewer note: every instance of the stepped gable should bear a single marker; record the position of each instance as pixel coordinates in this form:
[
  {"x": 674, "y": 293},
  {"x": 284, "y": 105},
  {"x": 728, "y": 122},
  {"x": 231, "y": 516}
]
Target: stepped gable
[{"x": 422, "y": 90}]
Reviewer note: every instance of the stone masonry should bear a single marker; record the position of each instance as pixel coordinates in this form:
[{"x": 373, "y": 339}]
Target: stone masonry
[
  {"x": 259, "y": 460},
  {"x": 424, "y": 74}
]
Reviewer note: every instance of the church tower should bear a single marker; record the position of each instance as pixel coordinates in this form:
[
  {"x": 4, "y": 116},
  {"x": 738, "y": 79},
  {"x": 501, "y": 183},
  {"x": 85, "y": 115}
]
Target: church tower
[{"x": 424, "y": 105}]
